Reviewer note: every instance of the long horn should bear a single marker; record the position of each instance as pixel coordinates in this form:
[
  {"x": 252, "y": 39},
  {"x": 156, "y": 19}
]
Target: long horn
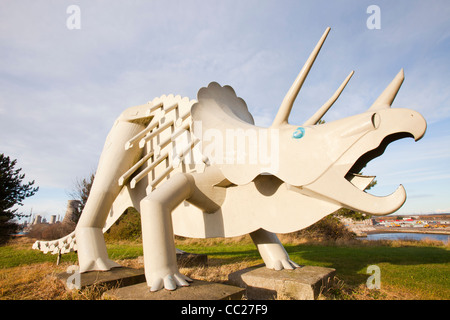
[
  {"x": 323, "y": 109},
  {"x": 288, "y": 101},
  {"x": 387, "y": 97}
]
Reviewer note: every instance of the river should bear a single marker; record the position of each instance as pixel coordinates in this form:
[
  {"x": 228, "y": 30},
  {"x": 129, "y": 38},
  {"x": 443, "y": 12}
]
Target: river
[{"x": 407, "y": 236}]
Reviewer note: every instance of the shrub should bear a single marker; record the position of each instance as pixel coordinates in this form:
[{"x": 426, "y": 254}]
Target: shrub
[
  {"x": 128, "y": 227},
  {"x": 44, "y": 231},
  {"x": 327, "y": 229}
]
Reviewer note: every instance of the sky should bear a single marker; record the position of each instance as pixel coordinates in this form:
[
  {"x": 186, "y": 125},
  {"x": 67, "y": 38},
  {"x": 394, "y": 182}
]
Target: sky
[{"x": 66, "y": 75}]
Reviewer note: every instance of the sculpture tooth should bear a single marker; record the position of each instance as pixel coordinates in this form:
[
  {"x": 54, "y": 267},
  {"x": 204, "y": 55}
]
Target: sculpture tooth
[{"x": 360, "y": 181}]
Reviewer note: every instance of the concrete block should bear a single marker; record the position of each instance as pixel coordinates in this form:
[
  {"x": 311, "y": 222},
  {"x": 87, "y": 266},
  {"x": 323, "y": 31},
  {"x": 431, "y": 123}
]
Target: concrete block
[
  {"x": 304, "y": 283},
  {"x": 116, "y": 277},
  {"x": 123, "y": 276},
  {"x": 198, "y": 290}
]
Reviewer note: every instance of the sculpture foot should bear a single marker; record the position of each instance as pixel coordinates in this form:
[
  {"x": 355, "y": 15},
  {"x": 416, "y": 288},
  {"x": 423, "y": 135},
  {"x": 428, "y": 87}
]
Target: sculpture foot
[
  {"x": 99, "y": 264},
  {"x": 92, "y": 253},
  {"x": 169, "y": 282},
  {"x": 282, "y": 264},
  {"x": 272, "y": 251}
]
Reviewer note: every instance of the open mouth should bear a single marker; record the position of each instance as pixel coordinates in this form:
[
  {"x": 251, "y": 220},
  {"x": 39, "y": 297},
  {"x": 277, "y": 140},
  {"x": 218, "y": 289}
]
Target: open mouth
[
  {"x": 354, "y": 175},
  {"x": 349, "y": 192}
]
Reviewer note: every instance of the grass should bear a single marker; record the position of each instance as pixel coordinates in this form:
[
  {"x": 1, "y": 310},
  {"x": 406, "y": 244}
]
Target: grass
[
  {"x": 414, "y": 271},
  {"x": 409, "y": 269}
]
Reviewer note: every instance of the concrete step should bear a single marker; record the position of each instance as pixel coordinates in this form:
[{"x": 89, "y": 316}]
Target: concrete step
[
  {"x": 116, "y": 277},
  {"x": 198, "y": 290},
  {"x": 123, "y": 276},
  {"x": 304, "y": 283}
]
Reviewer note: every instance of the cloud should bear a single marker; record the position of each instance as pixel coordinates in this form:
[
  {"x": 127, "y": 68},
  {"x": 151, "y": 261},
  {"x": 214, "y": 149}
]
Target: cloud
[
  {"x": 442, "y": 210},
  {"x": 61, "y": 90}
]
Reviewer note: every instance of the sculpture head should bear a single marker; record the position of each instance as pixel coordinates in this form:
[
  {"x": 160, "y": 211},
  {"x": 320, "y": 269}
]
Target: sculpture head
[
  {"x": 342, "y": 148},
  {"x": 319, "y": 160}
]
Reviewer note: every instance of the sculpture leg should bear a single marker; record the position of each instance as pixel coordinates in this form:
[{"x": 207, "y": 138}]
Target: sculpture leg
[
  {"x": 114, "y": 161},
  {"x": 271, "y": 250},
  {"x": 160, "y": 260}
]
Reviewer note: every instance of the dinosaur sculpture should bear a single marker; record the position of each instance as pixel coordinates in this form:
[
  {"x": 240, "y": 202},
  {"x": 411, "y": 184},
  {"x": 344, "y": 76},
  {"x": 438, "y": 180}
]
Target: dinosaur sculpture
[{"x": 203, "y": 169}]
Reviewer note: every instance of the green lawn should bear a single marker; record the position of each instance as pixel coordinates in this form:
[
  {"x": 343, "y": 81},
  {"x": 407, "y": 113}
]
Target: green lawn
[
  {"x": 422, "y": 271},
  {"x": 418, "y": 271},
  {"x": 14, "y": 256}
]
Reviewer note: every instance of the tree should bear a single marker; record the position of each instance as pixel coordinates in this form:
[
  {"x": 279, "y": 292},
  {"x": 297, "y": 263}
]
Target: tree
[
  {"x": 12, "y": 192},
  {"x": 81, "y": 191}
]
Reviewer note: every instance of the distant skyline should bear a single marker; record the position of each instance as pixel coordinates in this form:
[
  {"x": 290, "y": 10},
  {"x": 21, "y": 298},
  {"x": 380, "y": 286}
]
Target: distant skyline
[{"x": 69, "y": 68}]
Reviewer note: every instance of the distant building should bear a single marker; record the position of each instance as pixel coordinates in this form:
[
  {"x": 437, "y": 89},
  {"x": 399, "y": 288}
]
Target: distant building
[
  {"x": 72, "y": 211},
  {"x": 37, "y": 219}
]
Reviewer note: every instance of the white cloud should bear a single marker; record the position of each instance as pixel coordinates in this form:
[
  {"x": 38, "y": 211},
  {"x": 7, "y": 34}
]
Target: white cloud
[{"x": 60, "y": 89}]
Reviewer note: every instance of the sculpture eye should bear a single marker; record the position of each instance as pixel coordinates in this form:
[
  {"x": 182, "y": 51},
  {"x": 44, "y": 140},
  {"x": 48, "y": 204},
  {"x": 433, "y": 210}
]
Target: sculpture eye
[{"x": 299, "y": 133}]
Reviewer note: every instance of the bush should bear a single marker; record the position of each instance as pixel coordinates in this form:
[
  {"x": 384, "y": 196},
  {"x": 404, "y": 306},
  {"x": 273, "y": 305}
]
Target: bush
[
  {"x": 128, "y": 227},
  {"x": 327, "y": 229},
  {"x": 44, "y": 231}
]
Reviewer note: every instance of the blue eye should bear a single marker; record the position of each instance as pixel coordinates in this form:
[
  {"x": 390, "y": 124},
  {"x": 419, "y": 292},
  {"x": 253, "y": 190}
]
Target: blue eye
[{"x": 299, "y": 133}]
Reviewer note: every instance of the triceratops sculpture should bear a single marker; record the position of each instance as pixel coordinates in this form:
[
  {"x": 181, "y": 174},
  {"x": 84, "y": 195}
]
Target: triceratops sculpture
[{"x": 203, "y": 169}]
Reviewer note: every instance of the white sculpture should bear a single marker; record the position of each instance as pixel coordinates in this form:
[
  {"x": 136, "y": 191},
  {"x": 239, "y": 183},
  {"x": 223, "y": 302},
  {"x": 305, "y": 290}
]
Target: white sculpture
[{"x": 203, "y": 169}]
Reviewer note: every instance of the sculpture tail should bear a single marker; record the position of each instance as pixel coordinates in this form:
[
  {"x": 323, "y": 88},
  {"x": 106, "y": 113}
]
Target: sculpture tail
[{"x": 63, "y": 245}]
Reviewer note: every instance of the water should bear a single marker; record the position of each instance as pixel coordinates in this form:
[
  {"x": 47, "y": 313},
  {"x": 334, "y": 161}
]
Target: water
[{"x": 407, "y": 236}]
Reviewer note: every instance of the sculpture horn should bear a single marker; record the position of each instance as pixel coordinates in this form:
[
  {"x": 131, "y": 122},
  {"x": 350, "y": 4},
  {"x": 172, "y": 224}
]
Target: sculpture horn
[
  {"x": 288, "y": 101},
  {"x": 387, "y": 97},
  {"x": 327, "y": 105}
]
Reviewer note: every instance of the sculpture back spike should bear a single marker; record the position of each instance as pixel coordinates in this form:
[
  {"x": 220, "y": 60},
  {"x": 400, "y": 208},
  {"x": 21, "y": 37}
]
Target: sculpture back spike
[
  {"x": 387, "y": 97},
  {"x": 288, "y": 101},
  {"x": 321, "y": 112}
]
